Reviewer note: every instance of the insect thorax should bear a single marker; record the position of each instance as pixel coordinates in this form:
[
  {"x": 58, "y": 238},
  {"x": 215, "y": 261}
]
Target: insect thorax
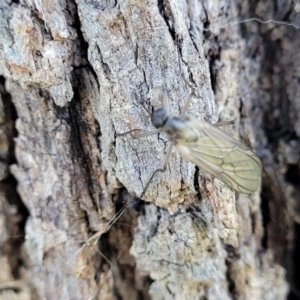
[{"x": 179, "y": 129}]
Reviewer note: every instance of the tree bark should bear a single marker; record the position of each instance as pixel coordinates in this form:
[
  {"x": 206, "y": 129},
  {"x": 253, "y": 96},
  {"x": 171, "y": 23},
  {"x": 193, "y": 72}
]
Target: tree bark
[{"x": 74, "y": 77}]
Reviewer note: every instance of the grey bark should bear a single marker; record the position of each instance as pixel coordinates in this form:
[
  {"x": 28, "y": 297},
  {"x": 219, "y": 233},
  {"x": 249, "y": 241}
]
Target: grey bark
[{"x": 77, "y": 74}]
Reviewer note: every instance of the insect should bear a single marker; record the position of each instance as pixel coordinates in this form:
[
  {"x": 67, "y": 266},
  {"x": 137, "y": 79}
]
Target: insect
[{"x": 206, "y": 146}]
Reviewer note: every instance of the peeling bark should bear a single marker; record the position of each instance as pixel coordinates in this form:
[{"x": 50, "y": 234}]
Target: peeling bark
[{"x": 75, "y": 75}]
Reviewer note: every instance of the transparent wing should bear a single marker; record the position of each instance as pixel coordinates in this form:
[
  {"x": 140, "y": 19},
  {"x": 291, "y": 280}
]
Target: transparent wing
[{"x": 221, "y": 155}]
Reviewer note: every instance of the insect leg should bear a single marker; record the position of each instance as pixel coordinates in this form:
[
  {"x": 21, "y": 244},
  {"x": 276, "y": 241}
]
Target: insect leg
[
  {"x": 163, "y": 169},
  {"x": 128, "y": 132},
  {"x": 186, "y": 105},
  {"x": 165, "y": 101},
  {"x": 143, "y": 133},
  {"x": 223, "y": 123},
  {"x": 146, "y": 109}
]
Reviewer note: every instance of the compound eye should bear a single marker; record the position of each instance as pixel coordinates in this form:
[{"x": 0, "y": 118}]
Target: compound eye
[{"x": 159, "y": 118}]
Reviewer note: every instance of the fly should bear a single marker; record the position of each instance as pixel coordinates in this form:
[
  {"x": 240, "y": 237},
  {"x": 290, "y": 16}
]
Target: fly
[{"x": 208, "y": 147}]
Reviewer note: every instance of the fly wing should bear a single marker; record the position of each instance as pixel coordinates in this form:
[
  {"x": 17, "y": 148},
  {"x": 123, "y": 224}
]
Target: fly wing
[{"x": 221, "y": 155}]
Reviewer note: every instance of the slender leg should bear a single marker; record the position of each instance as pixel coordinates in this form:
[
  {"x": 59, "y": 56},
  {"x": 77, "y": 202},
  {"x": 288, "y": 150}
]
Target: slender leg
[
  {"x": 165, "y": 102},
  {"x": 143, "y": 133},
  {"x": 186, "y": 105},
  {"x": 128, "y": 132},
  {"x": 169, "y": 151},
  {"x": 223, "y": 123},
  {"x": 167, "y": 158},
  {"x": 146, "y": 109}
]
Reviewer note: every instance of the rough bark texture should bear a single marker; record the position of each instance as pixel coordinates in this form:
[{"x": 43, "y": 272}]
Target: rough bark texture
[{"x": 74, "y": 75}]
